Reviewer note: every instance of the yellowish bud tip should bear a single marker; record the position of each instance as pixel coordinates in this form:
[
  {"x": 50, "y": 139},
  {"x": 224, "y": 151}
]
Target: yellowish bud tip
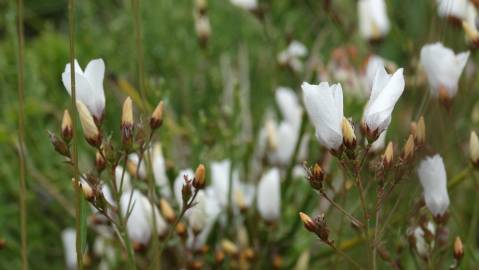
[
  {"x": 67, "y": 129},
  {"x": 199, "y": 181},
  {"x": 90, "y": 130},
  {"x": 127, "y": 113},
  {"x": 100, "y": 162},
  {"x": 307, "y": 222},
  {"x": 157, "y": 116},
  {"x": 420, "y": 132},
  {"x": 167, "y": 211},
  {"x": 458, "y": 248},
  {"x": 409, "y": 148},
  {"x": 471, "y": 32},
  {"x": 229, "y": 247},
  {"x": 388, "y": 155},
  {"x": 181, "y": 229},
  {"x": 349, "y": 138},
  {"x": 272, "y": 135},
  {"x": 474, "y": 148}
]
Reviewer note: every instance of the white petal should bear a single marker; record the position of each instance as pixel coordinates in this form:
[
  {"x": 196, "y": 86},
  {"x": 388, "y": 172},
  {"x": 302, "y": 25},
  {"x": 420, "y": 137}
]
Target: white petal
[
  {"x": 269, "y": 195},
  {"x": 159, "y": 171},
  {"x": 69, "y": 247},
  {"x": 95, "y": 72},
  {"x": 432, "y": 175},
  {"x": 289, "y": 105}
]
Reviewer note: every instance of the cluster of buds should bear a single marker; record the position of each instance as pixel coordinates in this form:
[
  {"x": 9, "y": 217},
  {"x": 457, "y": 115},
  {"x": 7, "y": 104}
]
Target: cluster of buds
[
  {"x": 202, "y": 22},
  {"x": 315, "y": 176},
  {"x": 317, "y": 226}
]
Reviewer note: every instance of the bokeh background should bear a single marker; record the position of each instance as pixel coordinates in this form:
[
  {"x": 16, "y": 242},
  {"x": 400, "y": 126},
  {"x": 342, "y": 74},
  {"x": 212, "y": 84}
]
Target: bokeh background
[{"x": 202, "y": 124}]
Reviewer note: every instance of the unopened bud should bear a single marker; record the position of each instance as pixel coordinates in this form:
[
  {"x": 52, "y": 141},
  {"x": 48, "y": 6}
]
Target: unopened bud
[
  {"x": 67, "y": 129},
  {"x": 60, "y": 146},
  {"x": 167, "y": 212},
  {"x": 249, "y": 254},
  {"x": 90, "y": 130},
  {"x": 85, "y": 188},
  {"x": 219, "y": 257},
  {"x": 472, "y": 34},
  {"x": 277, "y": 262},
  {"x": 408, "y": 151},
  {"x": 186, "y": 192},
  {"x": 349, "y": 138},
  {"x": 127, "y": 122},
  {"x": 315, "y": 176},
  {"x": 458, "y": 249},
  {"x": 388, "y": 155},
  {"x": 203, "y": 28},
  {"x": 413, "y": 128},
  {"x": 100, "y": 162},
  {"x": 308, "y": 222},
  {"x": 181, "y": 230},
  {"x": 229, "y": 247},
  {"x": 420, "y": 137},
  {"x": 3, "y": 243},
  {"x": 199, "y": 181},
  {"x": 195, "y": 265},
  {"x": 156, "y": 118},
  {"x": 474, "y": 148},
  {"x": 444, "y": 97}
]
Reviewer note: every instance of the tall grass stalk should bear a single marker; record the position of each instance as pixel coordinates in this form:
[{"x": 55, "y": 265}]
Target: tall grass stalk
[
  {"x": 21, "y": 135},
  {"x": 76, "y": 173}
]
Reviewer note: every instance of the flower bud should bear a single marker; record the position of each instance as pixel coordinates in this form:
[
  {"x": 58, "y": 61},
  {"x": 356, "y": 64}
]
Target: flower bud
[
  {"x": 219, "y": 257},
  {"x": 90, "y": 130},
  {"x": 474, "y": 148},
  {"x": 181, "y": 230},
  {"x": 229, "y": 247},
  {"x": 458, "y": 249},
  {"x": 307, "y": 222},
  {"x": 349, "y": 138},
  {"x": 186, "y": 193},
  {"x": 85, "y": 188},
  {"x": 127, "y": 122},
  {"x": 420, "y": 136},
  {"x": 408, "y": 151},
  {"x": 203, "y": 28},
  {"x": 388, "y": 155},
  {"x": 60, "y": 146},
  {"x": 199, "y": 181},
  {"x": 67, "y": 129},
  {"x": 156, "y": 118},
  {"x": 315, "y": 176},
  {"x": 100, "y": 162},
  {"x": 167, "y": 211},
  {"x": 472, "y": 34}
]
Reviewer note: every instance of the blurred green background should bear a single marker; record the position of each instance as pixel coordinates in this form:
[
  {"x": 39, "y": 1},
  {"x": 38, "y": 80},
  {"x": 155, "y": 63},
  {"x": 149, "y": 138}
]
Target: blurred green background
[{"x": 189, "y": 79}]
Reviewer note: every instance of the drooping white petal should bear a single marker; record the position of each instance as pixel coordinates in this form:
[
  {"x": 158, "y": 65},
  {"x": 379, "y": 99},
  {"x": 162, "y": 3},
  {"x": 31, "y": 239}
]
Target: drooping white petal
[
  {"x": 269, "y": 195},
  {"x": 432, "y": 175},
  {"x": 220, "y": 176},
  {"x": 159, "y": 171},
  {"x": 95, "y": 73},
  {"x": 373, "y": 19},
  {"x": 374, "y": 63},
  {"x": 443, "y": 68},
  {"x": 385, "y": 93},
  {"x": 379, "y": 143},
  {"x": 69, "y": 248},
  {"x": 453, "y": 8},
  {"x": 324, "y": 105},
  {"x": 198, "y": 217}
]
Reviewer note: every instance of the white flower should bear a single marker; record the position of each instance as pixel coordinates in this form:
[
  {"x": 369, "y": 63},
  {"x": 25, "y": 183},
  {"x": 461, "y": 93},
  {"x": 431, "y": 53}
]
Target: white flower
[
  {"x": 89, "y": 85},
  {"x": 245, "y": 4},
  {"x": 378, "y": 145},
  {"x": 374, "y": 63},
  {"x": 269, "y": 195},
  {"x": 432, "y": 176},
  {"x": 220, "y": 180},
  {"x": 454, "y": 8},
  {"x": 324, "y": 105},
  {"x": 289, "y": 105},
  {"x": 385, "y": 93},
  {"x": 443, "y": 68},
  {"x": 292, "y": 56},
  {"x": 159, "y": 171},
  {"x": 373, "y": 19},
  {"x": 126, "y": 179},
  {"x": 243, "y": 195},
  {"x": 140, "y": 222},
  {"x": 69, "y": 247},
  {"x": 197, "y": 214},
  {"x": 422, "y": 247}
]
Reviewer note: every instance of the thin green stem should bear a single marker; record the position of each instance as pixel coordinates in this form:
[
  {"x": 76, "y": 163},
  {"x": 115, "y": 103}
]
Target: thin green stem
[
  {"x": 21, "y": 135},
  {"x": 76, "y": 172}
]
